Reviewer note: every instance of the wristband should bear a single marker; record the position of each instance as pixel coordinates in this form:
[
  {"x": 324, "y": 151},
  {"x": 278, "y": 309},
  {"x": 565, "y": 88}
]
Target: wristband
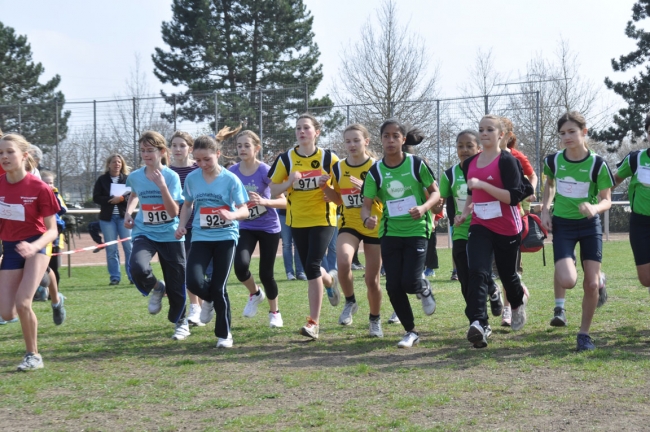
[{"x": 364, "y": 222}]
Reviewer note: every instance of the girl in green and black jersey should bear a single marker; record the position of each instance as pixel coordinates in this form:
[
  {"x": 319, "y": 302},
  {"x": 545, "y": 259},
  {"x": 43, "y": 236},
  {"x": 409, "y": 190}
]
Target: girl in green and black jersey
[
  {"x": 637, "y": 166},
  {"x": 579, "y": 186},
  {"x": 398, "y": 181}
]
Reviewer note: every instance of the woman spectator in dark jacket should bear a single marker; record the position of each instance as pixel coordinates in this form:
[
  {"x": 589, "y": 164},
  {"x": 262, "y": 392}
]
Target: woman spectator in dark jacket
[{"x": 111, "y": 215}]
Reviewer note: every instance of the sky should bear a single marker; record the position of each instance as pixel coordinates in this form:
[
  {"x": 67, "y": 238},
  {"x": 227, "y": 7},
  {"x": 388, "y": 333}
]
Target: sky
[{"x": 92, "y": 44}]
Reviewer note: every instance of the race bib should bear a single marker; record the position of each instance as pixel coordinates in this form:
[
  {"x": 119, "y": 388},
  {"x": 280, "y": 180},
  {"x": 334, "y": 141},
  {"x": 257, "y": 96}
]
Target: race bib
[
  {"x": 573, "y": 189},
  {"x": 309, "y": 180},
  {"x": 255, "y": 211},
  {"x": 155, "y": 214},
  {"x": 351, "y": 198},
  {"x": 643, "y": 175},
  {"x": 460, "y": 204},
  {"x": 209, "y": 219},
  {"x": 488, "y": 210},
  {"x": 399, "y": 207},
  {"x": 12, "y": 212}
]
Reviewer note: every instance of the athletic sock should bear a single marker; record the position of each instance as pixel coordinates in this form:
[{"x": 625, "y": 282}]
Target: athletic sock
[
  {"x": 257, "y": 293},
  {"x": 374, "y": 317},
  {"x": 351, "y": 299},
  {"x": 276, "y": 312},
  {"x": 559, "y": 303}
]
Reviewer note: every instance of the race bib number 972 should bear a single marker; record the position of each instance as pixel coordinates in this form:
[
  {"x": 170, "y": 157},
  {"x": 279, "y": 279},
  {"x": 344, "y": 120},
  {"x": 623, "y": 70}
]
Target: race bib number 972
[
  {"x": 155, "y": 214},
  {"x": 351, "y": 198},
  {"x": 209, "y": 218}
]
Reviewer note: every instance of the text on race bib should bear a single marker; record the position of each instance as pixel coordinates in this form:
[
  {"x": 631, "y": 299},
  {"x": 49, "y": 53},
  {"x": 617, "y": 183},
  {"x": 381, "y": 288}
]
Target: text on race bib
[
  {"x": 399, "y": 207},
  {"x": 573, "y": 189},
  {"x": 643, "y": 175},
  {"x": 12, "y": 212},
  {"x": 488, "y": 210},
  {"x": 309, "y": 180},
  {"x": 351, "y": 198},
  {"x": 209, "y": 218},
  {"x": 460, "y": 205},
  {"x": 255, "y": 211},
  {"x": 155, "y": 214}
]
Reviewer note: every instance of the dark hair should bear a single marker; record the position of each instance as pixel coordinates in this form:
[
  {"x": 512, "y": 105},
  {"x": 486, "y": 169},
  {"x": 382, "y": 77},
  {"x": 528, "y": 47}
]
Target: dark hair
[
  {"x": 184, "y": 136},
  {"x": 471, "y": 132},
  {"x": 575, "y": 117},
  {"x": 310, "y": 117},
  {"x": 206, "y": 142},
  {"x": 647, "y": 123},
  {"x": 155, "y": 140},
  {"x": 413, "y": 136}
]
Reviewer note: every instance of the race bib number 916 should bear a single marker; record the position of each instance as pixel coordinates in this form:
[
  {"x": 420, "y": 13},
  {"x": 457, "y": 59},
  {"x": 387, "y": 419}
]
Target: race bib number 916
[{"x": 155, "y": 214}]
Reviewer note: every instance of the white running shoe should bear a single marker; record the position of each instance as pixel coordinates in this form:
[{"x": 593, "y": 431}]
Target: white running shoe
[
  {"x": 409, "y": 339},
  {"x": 375, "y": 329},
  {"x": 349, "y": 309},
  {"x": 519, "y": 315},
  {"x": 194, "y": 318},
  {"x": 225, "y": 343},
  {"x": 207, "y": 312},
  {"x": 31, "y": 362},
  {"x": 155, "y": 298},
  {"x": 333, "y": 293},
  {"x": 506, "y": 316},
  {"x": 428, "y": 300},
  {"x": 250, "y": 310},
  {"x": 182, "y": 330},
  {"x": 477, "y": 336},
  {"x": 275, "y": 320},
  {"x": 394, "y": 319}
]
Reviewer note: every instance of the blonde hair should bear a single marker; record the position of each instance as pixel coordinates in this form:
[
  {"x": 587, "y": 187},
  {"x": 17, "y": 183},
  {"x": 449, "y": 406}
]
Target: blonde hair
[
  {"x": 23, "y": 146},
  {"x": 125, "y": 169},
  {"x": 156, "y": 140},
  {"x": 357, "y": 127},
  {"x": 498, "y": 119},
  {"x": 46, "y": 173},
  {"x": 510, "y": 138}
]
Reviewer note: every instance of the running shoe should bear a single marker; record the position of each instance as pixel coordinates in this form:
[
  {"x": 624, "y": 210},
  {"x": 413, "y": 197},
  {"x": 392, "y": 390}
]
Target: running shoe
[
  {"x": 310, "y": 329},
  {"x": 355, "y": 266},
  {"x": 496, "y": 304},
  {"x": 207, "y": 312},
  {"x": 250, "y": 310},
  {"x": 41, "y": 294},
  {"x": 375, "y": 328},
  {"x": 31, "y": 362},
  {"x": 290, "y": 276},
  {"x": 429, "y": 272},
  {"x": 3, "y": 322},
  {"x": 454, "y": 275},
  {"x": 114, "y": 282},
  {"x": 585, "y": 343},
  {"x": 301, "y": 276},
  {"x": 394, "y": 319},
  {"x": 333, "y": 293},
  {"x": 428, "y": 300},
  {"x": 182, "y": 330},
  {"x": 225, "y": 343},
  {"x": 602, "y": 290},
  {"x": 155, "y": 298},
  {"x": 519, "y": 317},
  {"x": 488, "y": 331},
  {"x": 58, "y": 311},
  {"x": 275, "y": 320},
  {"x": 506, "y": 316},
  {"x": 410, "y": 338},
  {"x": 194, "y": 318},
  {"x": 476, "y": 335},
  {"x": 349, "y": 309},
  {"x": 559, "y": 317}
]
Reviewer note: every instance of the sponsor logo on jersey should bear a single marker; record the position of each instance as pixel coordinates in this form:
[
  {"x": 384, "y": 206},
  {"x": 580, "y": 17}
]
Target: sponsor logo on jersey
[
  {"x": 562, "y": 167},
  {"x": 583, "y": 170},
  {"x": 490, "y": 178},
  {"x": 396, "y": 189},
  {"x": 315, "y": 164},
  {"x": 363, "y": 175}
]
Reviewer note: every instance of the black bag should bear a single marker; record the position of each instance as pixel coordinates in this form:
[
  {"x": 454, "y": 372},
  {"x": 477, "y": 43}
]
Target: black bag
[{"x": 95, "y": 232}]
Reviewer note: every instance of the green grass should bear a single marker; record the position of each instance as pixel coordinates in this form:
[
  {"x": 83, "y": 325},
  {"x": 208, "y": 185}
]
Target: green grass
[{"x": 112, "y": 366}]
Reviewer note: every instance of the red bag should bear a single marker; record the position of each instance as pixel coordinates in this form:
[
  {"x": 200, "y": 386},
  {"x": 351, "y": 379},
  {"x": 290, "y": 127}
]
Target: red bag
[{"x": 533, "y": 233}]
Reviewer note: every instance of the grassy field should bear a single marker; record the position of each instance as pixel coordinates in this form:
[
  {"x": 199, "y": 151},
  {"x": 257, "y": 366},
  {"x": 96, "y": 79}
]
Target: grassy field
[{"x": 112, "y": 366}]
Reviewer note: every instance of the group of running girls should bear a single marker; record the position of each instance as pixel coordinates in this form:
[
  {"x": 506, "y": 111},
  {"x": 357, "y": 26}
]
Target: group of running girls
[{"x": 216, "y": 217}]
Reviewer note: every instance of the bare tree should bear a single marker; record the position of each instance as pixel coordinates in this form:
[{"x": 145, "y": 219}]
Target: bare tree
[
  {"x": 388, "y": 74},
  {"x": 484, "y": 81}
]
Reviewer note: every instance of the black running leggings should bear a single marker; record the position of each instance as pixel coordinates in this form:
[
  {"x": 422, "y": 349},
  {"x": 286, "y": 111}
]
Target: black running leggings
[
  {"x": 269, "y": 243},
  {"x": 312, "y": 243}
]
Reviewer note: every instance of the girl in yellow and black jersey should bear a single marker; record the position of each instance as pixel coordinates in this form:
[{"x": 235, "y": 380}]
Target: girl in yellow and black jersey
[
  {"x": 312, "y": 219},
  {"x": 347, "y": 181}
]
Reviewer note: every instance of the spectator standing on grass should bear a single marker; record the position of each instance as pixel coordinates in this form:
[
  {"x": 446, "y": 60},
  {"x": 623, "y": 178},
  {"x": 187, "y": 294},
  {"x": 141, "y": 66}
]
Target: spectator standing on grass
[
  {"x": 347, "y": 182},
  {"x": 495, "y": 185},
  {"x": 261, "y": 227},
  {"x": 112, "y": 209},
  {"x": 289, "y": 251},
  {"x": 399, "y": 181},
  {"x": 219, "y": 199},
  {"x": 578, "y": 184},
  {"x": 27, "y": 226},
  {"x": 637, "y": 166},
  {"x": 158, "y": 190},
  {"x": 311, "y": 218},
  {"x": 181, "y": 147}
]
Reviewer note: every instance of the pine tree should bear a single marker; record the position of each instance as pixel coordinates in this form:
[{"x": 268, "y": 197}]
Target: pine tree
[
  {"x": 23, "y": 96},
  {"x": 235, "y": 45},
  {"x": 629, "y": 122}
]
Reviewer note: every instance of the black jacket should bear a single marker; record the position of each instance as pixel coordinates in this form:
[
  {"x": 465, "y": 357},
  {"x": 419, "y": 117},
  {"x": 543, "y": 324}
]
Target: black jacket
[{"x": 102, "y": 193}]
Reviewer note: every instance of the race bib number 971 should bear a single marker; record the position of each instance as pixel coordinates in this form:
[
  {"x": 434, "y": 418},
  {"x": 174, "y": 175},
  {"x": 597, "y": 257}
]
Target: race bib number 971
[
  {"x": 209, "y": 218},
  {"x": 308, "y": 182},
  {"x": 155, "y": 214}
]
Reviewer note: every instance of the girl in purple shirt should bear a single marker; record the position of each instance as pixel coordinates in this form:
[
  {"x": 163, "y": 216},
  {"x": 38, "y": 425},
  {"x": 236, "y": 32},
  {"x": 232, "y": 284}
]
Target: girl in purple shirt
[{"x": 262, "y": 225}]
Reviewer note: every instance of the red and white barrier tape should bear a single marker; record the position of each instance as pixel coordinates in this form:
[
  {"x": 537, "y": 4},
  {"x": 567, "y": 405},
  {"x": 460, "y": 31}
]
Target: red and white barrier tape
[{"x": 89, "y": 248}]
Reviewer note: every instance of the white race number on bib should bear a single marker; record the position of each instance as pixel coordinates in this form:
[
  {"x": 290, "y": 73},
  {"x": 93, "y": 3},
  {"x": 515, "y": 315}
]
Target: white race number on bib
[
  {"x": 209, "y": 218},
  {"x": 255, "y": 211},
  {"x": 155, "y": 214},
  {"x": 643, "y": 175},
  {"x": 12, "y": 212},
  {"x": 573, "y": 189},
  {"x": 399, "y": 207},
  {"x": 488, "y": 210},
  {"x": 308, "y": 182},
  {"x": 351, "y": 198}
]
